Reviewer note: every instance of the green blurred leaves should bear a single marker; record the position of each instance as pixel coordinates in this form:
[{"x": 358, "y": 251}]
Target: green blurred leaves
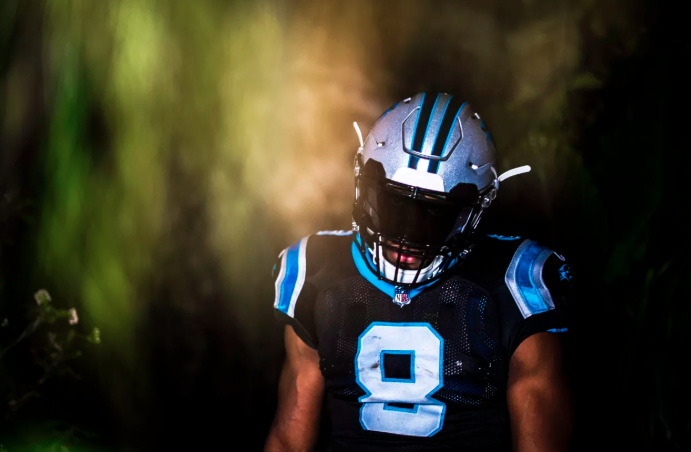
[
  {"x": 51, "y": 343},
  {"x": 95, "y": 336}
]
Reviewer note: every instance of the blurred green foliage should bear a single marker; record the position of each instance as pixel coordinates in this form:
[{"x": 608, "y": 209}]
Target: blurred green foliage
[
  {"x": 157, "y": 155},
  {"x": 54, "y": 343}
]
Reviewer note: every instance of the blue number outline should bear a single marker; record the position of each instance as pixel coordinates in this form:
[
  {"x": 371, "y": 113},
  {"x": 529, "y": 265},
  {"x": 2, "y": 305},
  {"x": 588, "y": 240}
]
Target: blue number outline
[
  {"x": 412, "y": 410},
  {"x": 428, "y": 396},
  {"x": 398, "y": 352}
]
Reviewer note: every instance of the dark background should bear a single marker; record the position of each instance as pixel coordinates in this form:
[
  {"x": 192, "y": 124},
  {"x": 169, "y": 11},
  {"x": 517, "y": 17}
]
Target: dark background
[{"x": 156, "y": 156}]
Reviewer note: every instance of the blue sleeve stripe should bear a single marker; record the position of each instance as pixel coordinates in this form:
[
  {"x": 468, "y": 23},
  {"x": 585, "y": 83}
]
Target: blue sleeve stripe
[
  {"x": 537, "y": 276},
  {"x": 281, "y": 277},
  {"x": 524, "y": 279},
  {"x": 291, "y": 278},
  {"x": 558, "y": 330}
]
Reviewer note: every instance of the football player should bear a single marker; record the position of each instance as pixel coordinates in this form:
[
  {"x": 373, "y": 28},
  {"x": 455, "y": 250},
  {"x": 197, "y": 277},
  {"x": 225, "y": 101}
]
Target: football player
[{"x": 420, "y": 334}]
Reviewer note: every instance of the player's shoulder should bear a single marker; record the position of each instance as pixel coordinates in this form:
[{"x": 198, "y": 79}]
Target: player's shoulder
[
  {"x": 322, "y": 244},
  {"x": 507, "y": 251},
  {"x": 536, "y": 276},
  {"x": 312, "y": 253},
  {"x": 493, "y": 253},
  {"x": 332, "y": 239}
]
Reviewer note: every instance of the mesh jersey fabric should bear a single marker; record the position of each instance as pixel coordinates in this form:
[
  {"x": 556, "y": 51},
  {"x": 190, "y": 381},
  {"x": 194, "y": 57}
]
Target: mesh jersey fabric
[{"x": 473, "y": 309}]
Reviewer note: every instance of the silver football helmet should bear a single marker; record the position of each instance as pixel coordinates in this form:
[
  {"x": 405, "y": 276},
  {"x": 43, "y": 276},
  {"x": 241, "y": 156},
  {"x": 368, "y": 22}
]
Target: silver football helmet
[{"x": 423, "y": 177}]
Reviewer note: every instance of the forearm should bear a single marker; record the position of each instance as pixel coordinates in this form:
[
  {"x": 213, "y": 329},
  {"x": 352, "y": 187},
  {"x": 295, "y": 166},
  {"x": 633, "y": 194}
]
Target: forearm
[
  {"x": 274, "y": 442},
  {"x": 541, "y": 422},
  {"x": 277, "y": 442},
  {"x": 291, "y": 437},
  {"x": 296, "y": 425}
]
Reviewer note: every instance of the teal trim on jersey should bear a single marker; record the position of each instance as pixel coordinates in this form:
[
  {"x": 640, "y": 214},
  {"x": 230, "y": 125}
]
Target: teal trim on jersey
[
  {"x": 386, "y": 406},
  {"x": 387, "y": 288},
  {"x": 412, "y": 410},
  {"x": 503, "y": 237},
  {"x": 291, "y": 277}
]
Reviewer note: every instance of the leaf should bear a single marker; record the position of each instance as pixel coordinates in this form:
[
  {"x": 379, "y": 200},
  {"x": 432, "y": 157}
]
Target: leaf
[{"x": 95, "y": 336}]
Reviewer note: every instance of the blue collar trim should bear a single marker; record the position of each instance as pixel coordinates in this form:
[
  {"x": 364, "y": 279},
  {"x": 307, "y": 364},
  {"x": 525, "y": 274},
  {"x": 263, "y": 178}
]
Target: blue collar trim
[{"x": 388, "y": 288}]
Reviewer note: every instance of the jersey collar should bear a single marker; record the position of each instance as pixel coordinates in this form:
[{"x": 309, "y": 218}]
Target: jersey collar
[{"x": 388, "y": 288}]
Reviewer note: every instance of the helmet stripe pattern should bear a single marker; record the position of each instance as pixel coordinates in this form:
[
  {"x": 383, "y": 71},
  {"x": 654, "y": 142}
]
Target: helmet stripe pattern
[
  {"x": 421, "y": 126},
  {"x": 404, "y": 149},
  {"x": 452, "y": 111}
]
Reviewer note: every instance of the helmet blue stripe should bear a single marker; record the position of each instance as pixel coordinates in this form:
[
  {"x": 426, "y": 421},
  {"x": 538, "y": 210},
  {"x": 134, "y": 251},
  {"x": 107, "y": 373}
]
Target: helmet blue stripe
[
  {"x": 423, "y": 121},
  {"x": 453, "y": 102},
  {"x": 450, "y": 115}
]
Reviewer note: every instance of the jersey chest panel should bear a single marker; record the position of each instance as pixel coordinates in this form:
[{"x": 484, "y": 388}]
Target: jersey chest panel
[{"x": 473, "y": 365}]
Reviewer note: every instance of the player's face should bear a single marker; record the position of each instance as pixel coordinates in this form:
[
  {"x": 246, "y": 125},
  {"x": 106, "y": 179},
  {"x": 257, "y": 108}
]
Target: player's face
[{"x": 407, "y": 262}]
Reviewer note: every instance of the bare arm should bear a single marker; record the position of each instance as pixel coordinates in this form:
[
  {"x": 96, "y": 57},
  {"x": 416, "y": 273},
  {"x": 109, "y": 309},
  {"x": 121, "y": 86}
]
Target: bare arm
[
  {"x": 538, "y": 396},
  {"x": 300, "y": 392}
]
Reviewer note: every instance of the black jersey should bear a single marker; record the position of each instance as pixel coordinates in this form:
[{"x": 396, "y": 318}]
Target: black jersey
[{"x": 424, "y": 369}]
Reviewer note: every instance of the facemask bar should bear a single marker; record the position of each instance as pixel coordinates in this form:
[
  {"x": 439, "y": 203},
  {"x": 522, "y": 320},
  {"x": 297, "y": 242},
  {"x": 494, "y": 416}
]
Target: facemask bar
[{"x": 432, "y": 260}]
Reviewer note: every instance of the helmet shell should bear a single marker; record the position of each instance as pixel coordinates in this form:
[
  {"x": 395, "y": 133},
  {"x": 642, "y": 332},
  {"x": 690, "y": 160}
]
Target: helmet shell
[{"x": 437, "y": 134}]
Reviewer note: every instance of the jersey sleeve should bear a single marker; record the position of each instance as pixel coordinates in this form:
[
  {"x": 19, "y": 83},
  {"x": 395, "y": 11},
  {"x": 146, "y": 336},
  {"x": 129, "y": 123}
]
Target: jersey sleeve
[
  {"x": 295, "y": 295},
  {"x": 535, "y": 294}
]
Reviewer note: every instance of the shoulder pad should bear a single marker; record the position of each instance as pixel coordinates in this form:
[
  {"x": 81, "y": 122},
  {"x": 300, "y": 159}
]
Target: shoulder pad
[
  {"x": 525, "y": 280},
  {"x": 291, "y": 277}
]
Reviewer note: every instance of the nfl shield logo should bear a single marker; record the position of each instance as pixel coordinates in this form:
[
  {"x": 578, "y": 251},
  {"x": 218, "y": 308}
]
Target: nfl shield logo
[{"x": 401, "y": 296}]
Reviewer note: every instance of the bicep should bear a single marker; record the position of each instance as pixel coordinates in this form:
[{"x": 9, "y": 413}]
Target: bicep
[
  {"x": 300, "y": 393},
  {"x": 301, "y": 378},
  {"x": 538, "y": 396}
]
